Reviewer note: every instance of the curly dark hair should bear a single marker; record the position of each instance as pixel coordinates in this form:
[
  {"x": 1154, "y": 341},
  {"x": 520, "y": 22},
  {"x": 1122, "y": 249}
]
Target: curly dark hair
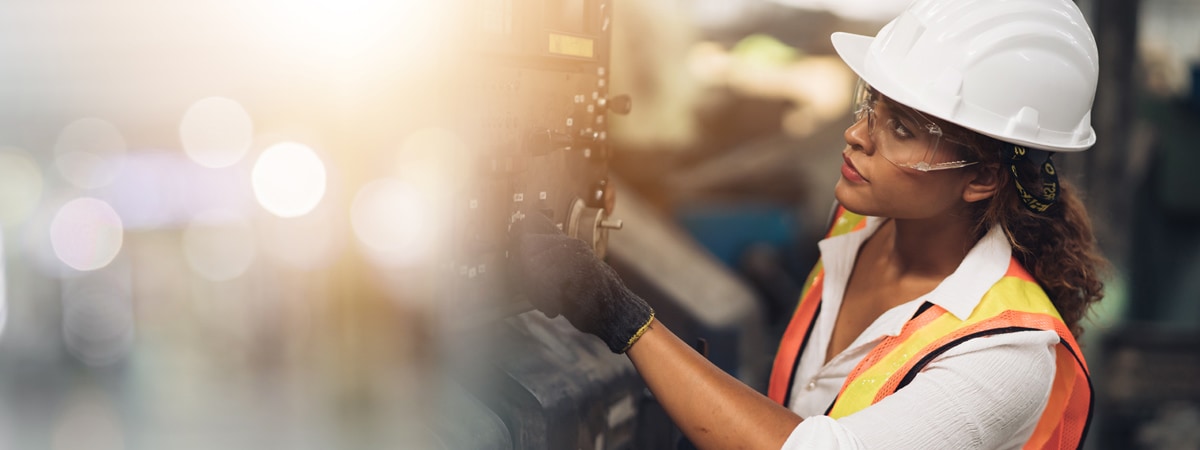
[{"x": 1056, "y": 246}]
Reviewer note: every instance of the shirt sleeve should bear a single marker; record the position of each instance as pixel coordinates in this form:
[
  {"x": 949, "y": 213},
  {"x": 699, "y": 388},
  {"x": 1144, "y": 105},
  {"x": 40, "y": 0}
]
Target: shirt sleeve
[{"x": 986, "y": 393}]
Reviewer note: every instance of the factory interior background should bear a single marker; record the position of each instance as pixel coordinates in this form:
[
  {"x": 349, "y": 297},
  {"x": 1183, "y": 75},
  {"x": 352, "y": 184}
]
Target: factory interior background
[{"x": 263, "y": 224}]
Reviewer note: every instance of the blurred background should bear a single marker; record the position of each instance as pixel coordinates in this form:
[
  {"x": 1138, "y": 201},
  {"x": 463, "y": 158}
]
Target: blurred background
[{"x": 280, "y": 224}]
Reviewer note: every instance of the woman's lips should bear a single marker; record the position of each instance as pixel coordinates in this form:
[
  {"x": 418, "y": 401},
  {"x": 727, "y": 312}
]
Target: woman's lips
[{"x": 849, "y": 172}]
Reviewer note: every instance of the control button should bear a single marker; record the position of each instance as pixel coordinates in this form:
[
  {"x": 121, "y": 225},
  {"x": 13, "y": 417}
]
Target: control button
[{"x": 602, "y": 196}]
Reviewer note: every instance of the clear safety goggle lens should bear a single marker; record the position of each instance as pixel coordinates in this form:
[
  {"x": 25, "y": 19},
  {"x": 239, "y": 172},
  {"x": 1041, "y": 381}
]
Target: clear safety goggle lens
[{"x": 905, "y": 137}]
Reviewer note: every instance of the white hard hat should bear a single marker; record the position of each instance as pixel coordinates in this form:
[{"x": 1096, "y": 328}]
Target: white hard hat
[{"x": 1022, "y": 71}]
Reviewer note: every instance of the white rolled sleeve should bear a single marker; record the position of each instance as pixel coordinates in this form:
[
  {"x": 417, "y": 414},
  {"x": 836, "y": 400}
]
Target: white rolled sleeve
[{"x": 986, "y": 393}]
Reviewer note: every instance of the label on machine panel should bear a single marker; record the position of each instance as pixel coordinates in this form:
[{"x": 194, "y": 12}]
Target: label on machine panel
[{"x": 567, "y": 45}]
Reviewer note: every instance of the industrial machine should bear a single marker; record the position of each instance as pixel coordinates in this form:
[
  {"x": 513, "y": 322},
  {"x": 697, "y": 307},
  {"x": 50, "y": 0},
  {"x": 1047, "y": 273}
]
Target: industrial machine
[{"x": 534, "y": 102}]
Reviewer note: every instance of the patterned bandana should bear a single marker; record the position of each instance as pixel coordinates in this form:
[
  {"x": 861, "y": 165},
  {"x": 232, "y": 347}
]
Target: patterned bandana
[{"x": 1040, "y": 200}]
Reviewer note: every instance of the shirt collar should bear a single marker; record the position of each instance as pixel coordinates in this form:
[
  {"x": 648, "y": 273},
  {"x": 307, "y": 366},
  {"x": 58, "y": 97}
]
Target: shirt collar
[
  {"x": 959, "y": 293},
  {"x": 984, "y": 265}
]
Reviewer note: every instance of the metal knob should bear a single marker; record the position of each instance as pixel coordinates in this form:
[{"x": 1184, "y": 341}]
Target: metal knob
[{"x": 591, "y": 225}]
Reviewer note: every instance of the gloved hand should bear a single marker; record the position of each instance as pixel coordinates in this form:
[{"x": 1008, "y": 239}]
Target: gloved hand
[{"x": 560, "y": 274}]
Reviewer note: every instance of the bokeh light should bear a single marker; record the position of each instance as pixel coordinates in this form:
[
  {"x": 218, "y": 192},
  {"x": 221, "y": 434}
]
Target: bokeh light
[
  {"x": 88, "y": 152},
  {"x": 86, "y": 234},
  {"x": 219, "y": 245},
  {"x": 392, "y": 219},
  {"x": 288, "y": 179},
  {"x": 216, "y": 132},
  {"x": 20, "y": 185}
]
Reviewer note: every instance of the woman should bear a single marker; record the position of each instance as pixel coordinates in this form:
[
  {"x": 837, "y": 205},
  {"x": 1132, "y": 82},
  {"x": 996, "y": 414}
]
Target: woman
[{"x": 957, "y": 268}]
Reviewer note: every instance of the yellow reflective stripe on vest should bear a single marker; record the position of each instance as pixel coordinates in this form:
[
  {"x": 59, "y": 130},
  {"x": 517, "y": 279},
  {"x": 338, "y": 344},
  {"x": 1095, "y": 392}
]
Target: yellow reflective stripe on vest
[
  {"x": 846, "y": 222},
  {"x": 817, "y": 271},
  {"x": 863, "y": 385},
  {"x": 791, "y": 345},
  {"x": 1015, "y": 302}
]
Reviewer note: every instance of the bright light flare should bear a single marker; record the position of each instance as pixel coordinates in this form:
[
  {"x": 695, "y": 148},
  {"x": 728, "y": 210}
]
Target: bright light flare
[
  {"x": 216, "y": 132},
  {"x": 394, "y": 221},
  {"x": 288, "y": 179},
  {"x": 219, "y": 245},
  {"x": 86, "y": 234},
  {"x": 870, "y": 10},
  {"x": 88, "y": 152},
  {"x": 20, "y": 185},
  {"x": 351, "y": 28}
]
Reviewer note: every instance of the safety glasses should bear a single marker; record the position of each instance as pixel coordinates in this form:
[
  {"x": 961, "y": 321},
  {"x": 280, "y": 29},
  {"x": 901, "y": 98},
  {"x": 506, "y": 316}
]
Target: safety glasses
[{"x": 904, "y": 136}]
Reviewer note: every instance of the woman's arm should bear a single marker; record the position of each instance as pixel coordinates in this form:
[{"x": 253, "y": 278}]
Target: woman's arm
[{"x": 713, "y": 409}]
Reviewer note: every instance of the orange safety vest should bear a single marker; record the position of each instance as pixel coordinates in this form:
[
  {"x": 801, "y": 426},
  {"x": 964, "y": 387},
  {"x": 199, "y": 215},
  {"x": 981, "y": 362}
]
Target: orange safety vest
[{"x": 1015, "y": 303}]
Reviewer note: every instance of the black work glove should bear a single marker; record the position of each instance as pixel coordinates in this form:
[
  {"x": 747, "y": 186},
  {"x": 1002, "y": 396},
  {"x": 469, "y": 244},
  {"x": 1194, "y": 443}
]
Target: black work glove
[{"x": 560, "y": 274}]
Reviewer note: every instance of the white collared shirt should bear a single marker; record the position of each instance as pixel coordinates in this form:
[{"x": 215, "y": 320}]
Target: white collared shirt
[{"x": 986, "y": 393}]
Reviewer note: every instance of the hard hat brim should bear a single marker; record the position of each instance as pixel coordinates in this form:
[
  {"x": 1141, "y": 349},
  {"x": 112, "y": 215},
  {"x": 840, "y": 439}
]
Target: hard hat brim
[{"x": 852, "y": 48}]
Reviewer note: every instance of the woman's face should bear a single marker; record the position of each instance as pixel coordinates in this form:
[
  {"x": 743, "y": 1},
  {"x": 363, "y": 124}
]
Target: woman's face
[{"x": 872, "y": 184}]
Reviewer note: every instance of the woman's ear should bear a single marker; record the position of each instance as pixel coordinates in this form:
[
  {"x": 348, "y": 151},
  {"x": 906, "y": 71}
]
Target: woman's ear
[{"x": 983, "y": 183}]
